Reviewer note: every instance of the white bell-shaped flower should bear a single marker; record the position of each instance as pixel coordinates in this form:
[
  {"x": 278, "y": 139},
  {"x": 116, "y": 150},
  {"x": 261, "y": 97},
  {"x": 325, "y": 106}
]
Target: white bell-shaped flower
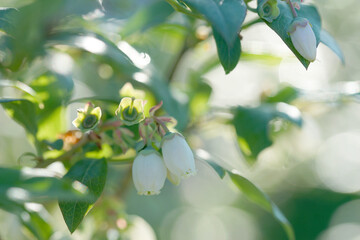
[
  {"x": 303, "y": 38},
  {"x": 174, "y": 179},
  {"x": 148, "y": 172},
  {"x": 178, "y": 156}
]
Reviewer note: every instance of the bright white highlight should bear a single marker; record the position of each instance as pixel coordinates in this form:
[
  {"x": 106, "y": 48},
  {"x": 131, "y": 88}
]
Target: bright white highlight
[
  {"x": 140, "y": 60},
  {"x": 91, "y": 44}
]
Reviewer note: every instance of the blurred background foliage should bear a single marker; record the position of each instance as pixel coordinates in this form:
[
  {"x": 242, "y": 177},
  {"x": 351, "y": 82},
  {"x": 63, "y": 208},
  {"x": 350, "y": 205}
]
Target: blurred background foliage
[{"x": 56, "y": 55}]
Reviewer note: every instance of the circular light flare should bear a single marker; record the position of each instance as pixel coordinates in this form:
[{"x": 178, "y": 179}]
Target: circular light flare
[
  {"x": 348, "y": 231},
  {"x": 337, "y": 163}
]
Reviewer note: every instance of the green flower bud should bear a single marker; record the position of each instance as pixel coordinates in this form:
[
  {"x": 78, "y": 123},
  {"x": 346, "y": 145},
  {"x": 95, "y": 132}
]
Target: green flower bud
[
  {"x": 268, "y": 9},
  {"x": 87, "y": 118},
  {"x": 131, "y": 110}
]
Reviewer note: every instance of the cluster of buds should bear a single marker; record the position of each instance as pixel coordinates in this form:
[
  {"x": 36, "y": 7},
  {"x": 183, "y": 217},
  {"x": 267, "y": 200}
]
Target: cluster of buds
[{"x": 161, "y": 154}]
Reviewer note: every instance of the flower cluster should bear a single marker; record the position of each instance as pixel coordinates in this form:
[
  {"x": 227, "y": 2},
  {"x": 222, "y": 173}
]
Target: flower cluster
[{"x": 150, "y": 169}]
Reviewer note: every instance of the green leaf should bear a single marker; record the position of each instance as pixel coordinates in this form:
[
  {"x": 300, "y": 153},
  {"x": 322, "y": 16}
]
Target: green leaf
[
  {"x": 6, "y": 25},
  {"x": 226, "y": 16},
  {"x": 53, "y": 90},
  {"x": 264, "y": 58},
  {"x": 18, "y": 85},
  {"x": 254, "y": 194},
  {"x": 286, "y": 95},
  {"x": 252, "y": 125},
  {"x": 33, "y": 221},
  {"x": 217, "y": 168},
  {"x": 329, "y": 41},
  {"x": 32, "y": 27},
  {"x": 281, "y": 25},
  {"x": 228, "y": 54},
  {"x": 199, "y": 92},
  {"x": 57, "y": 144},
  {"x": 95, "y": 44},
  {"x": 91, "y": 173},
  {"x": 36, "y": 185},
  {"x": 23, "y": 112},
  {"x": 175, "y": 108},
  {"x": 205, "y": 156},
  {"x": 147, "y": 17}
]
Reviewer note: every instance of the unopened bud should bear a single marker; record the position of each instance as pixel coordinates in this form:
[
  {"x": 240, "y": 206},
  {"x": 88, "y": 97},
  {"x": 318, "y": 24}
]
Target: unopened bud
[{"x": 303, "y": 38}]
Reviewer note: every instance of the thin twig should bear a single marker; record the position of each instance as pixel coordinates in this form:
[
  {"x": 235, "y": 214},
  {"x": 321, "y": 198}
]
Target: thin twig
[
  {"x": 252, "y": 22},
  {"x": 291, "y": 5}
]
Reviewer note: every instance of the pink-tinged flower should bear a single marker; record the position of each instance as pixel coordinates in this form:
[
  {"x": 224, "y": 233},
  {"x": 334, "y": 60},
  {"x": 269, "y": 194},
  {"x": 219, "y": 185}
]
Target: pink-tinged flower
[
  {"x": 178, "y": 156},
  {"x": 303, "y": 38},
  {"x": 148, "y": 172}
]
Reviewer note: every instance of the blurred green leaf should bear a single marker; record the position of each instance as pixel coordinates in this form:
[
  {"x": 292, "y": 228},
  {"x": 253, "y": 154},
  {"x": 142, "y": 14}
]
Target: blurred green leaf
[
  {"x": 54, "y": 91},
  {"x": 35, "y": 24},
  {"x": 6, "y": 25},
  {"x": 33, "y": 221},
  {"x": 16, "y": 3},
  {"x": 264, "y": 58},
  {"x": 254, "y": 194},
  {"x": 286, "y": 95},
  {"x": 252, "y": 125},
  {"x": 217, "y": 168},
  {"x": 57, "y": 144},
  {"x": 23, "y": 112},
  {"x": 147, "y": 17},
  {"x": 18, "y": 85},
  {"x": 36, "y": 185},
  {"x": 162, "y": 43},
  {"x": 174, "y": 107},
  {"x": 95, "y": 44},
  {"x": 281, "y": 25},
  {"x": 229, "y": 54},
  {"x": 329, "y": 41},
  {"x": 199, "y": 92},
  {"x": 92, "y": 173},
  {"x": 205, "y": 156}
]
